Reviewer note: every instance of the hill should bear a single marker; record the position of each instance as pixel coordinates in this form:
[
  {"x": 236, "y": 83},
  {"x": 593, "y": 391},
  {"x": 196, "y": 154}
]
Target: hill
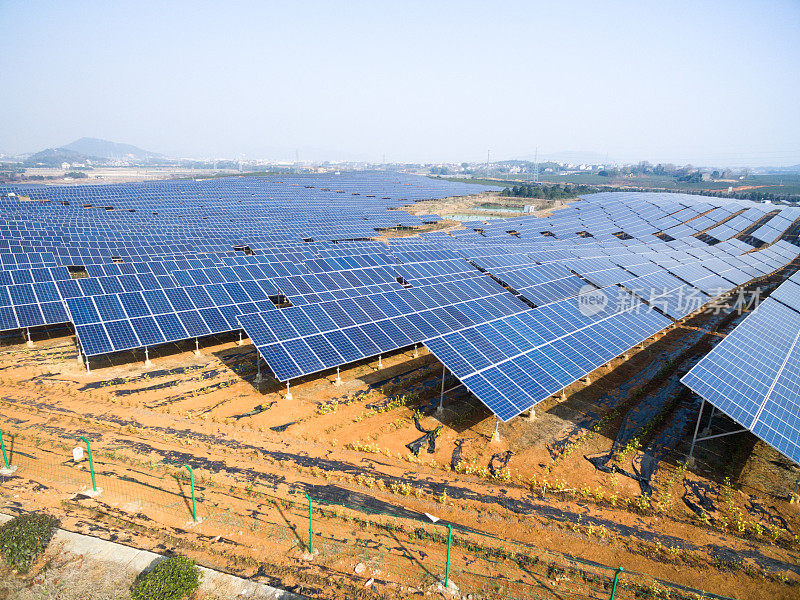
[
  {"x": 94, "y": 147},
  {"x": 53, "y": 157}
]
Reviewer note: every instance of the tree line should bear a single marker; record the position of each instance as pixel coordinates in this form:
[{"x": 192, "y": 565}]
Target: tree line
[{"x": 547, "y": 192}]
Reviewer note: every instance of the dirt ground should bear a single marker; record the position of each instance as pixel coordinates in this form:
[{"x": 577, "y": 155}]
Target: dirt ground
[
  {"x": 468, "y": 206},
  {"x": 724, "y": 525}
]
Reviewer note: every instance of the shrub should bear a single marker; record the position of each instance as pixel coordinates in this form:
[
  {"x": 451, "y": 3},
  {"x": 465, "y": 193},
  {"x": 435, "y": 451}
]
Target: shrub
[
  {"x": 25, "y": 537},
  {"x": 173, "y": 579}
]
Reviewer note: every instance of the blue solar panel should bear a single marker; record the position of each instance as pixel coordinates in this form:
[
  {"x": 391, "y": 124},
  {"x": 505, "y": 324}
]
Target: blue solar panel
[
  {"x": 543, "y": 350},
  {"x": 752, "y": 376}
]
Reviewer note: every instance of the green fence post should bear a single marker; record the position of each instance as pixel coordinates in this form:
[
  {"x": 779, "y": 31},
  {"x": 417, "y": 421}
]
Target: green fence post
[
  {"x": 91, "y": 464},
  {"x": 310, "y": 526},
  {"x": 3, "y": 446},
  {"x": 447, "y": 564},
  {"x": 191, "y": 481},
  {"x": 614, "y": 586}
]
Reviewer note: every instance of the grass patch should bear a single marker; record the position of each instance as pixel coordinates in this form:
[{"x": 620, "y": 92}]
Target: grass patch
[
  {"x": 173, "y": 579},
  {"x": 25, "y": 537}
]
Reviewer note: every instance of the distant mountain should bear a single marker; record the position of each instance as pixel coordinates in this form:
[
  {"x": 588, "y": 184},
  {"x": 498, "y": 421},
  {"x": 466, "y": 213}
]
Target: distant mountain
[{"x": 110, "y": 150}]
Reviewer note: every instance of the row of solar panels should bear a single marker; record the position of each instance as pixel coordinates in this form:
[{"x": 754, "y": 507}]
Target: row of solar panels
[
  {"x": 753, "y": 375},
  {"x": 514, "y": 362},
  {"x": 332, "y": 342},
  {"x": 178, "y": 315},
  {"x": 519, "y": 361}
]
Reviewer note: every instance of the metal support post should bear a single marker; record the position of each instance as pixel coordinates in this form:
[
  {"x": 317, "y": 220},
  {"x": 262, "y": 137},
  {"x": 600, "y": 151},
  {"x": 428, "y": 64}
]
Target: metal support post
[
  {"x": 88, "y": 369},
  {"x": 614, "y": 585},
  {"x": 288, "y": 392},
  {"x": 6, "y": 470},
  {"x": 3, "y": 446},
  {"x": 696, "y": 429},
  {"x": 197, "y": 346},
  {"x": 416, "y": 354},
  {"x": 447, "y": 564},
  {"x": 258, "y": 368},
  {"x": 240, "y": 342},
  {"x": 310, "y": 526},
  {"x": 147, "y": 362},
  {"x": 440, "y": 408},
  {"x": 91, "y": 463},
  {"x": 793, "y": 497},
  {"x": 380, "y": 361},
  {"x": 496, "y": 433},
  {"x": 338, "y": 380},
  {"x": 191, "y": 482},
  {"x": 707, "y": 430},
  {"x": 28, "y": 336}
]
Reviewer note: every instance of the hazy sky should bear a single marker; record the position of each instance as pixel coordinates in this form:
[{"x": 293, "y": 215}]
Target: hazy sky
[{"x": 701, "y": 82}]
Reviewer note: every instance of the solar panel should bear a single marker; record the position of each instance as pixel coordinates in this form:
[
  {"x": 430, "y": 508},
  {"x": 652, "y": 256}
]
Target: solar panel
[
  {"x": 754, "y": 373},
  {"x": 514, "y": 362}
]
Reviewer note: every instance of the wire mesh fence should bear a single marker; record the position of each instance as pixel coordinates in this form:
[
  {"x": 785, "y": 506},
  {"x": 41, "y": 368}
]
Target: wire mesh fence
[{"x": 356, "y": 541}]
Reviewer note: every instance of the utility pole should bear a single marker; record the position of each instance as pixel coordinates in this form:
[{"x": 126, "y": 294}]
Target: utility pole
[{"x": 536, "y": 166}]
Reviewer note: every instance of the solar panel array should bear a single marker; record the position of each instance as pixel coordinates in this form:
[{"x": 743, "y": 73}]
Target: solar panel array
[
  {"x": 293, "y": 261},
  {"x": 517, "y": 361},
  {"x": 753, "y": 375},
  {"x": 301, "y": 340}
]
